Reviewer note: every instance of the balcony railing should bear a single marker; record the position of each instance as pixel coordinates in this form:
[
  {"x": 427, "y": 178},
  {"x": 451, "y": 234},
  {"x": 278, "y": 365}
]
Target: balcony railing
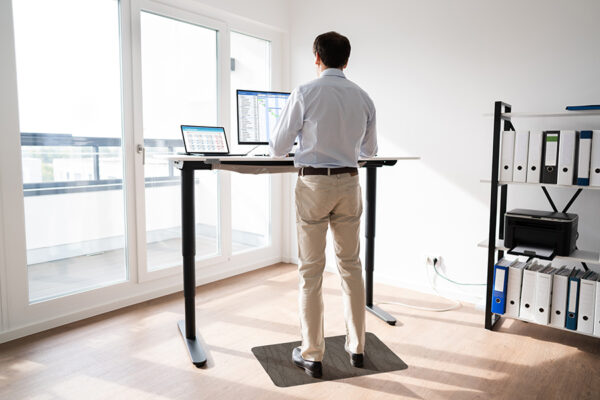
[{"x": 95, "y": 145}]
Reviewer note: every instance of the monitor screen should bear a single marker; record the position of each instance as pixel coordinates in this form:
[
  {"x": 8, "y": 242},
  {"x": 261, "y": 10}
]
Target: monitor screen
[
  {"x": 204, "y": 139},
  {"x": 258, "y": 113}
]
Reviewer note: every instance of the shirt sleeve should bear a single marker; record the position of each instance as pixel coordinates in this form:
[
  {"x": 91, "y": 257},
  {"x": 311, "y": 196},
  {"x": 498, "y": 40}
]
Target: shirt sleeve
[
  {"x": 368, "y": 147},
  {"x": 288, "y": 127}
]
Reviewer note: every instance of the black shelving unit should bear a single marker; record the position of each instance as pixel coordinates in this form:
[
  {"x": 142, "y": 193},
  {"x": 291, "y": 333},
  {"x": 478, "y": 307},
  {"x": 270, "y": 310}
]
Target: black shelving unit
[
  {"x": 494, "y": 244},
  {"x": 500, "y": 122}
]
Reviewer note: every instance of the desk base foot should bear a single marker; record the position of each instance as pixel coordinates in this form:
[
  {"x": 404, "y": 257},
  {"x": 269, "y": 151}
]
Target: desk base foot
[
  {"x": 381, "y": 314},
  {"x": 194, "y": 347}
]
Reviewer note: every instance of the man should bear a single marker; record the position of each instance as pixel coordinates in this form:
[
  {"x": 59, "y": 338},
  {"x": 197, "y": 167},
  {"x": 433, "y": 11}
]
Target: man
[{"x": 334, "y": 121}]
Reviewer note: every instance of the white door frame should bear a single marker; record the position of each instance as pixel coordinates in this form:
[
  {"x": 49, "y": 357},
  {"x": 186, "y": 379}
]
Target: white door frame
[
  {"x": 10, "y": 163},
  {"x": 223, "y": 229}
]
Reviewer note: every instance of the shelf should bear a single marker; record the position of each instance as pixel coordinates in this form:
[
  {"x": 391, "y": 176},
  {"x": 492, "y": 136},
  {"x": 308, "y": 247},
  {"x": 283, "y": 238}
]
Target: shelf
[
  {"x": 589, "y": 113},
  {"x": 550, "y": 326},
  {"x": 552, "y": 115},
  {"x": 587, "y": 256},
  {"x": 543, "y": 184}
]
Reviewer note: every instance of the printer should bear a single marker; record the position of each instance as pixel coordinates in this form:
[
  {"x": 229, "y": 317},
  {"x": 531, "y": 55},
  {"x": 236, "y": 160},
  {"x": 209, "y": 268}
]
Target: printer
[{"x": 540, "y": 234}]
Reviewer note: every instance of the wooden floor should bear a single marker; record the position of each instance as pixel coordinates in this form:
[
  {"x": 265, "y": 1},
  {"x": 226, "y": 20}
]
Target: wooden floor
[{"x": 137, "y": 352}]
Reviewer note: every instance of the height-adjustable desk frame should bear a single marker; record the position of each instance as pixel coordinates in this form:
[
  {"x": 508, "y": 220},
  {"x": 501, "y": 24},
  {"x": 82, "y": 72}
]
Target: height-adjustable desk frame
[{"x": 189, "y": 164}]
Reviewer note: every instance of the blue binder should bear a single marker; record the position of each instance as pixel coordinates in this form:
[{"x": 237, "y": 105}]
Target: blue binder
[
  {"x": 499, "y": 289},
  {"x": 573, "y": 300}
]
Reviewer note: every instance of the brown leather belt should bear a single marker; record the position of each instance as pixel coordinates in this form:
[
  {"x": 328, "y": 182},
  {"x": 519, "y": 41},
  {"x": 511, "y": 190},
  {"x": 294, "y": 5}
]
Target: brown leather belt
[{"x": 327, "y": 171}]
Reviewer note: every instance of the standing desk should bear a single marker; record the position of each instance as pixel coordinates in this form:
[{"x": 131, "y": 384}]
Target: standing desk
[{"x": 256, "y": 165}]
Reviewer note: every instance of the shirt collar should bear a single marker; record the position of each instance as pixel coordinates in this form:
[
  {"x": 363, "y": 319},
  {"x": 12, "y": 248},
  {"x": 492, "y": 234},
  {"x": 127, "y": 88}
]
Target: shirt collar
[{"x": 333, "y": 72}]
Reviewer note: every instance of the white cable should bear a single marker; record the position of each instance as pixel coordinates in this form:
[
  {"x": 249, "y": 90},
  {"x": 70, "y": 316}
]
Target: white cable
[
  {"x": 252, "y": 149},
  {"x": 457, "y": 304},
  {"x": 450, "y": 308},
  {"x": 459, "y": 284}
]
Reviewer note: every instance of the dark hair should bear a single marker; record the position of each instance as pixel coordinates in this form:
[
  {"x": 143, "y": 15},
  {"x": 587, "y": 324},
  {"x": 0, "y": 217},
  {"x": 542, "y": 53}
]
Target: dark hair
[{"x": 332, "y": 48}]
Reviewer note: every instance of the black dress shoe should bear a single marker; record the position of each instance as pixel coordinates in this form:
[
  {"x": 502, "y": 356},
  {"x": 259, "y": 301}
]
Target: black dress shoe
[
  {"x": 311, "y": 368},
  {"x": 357, "y": 360}
]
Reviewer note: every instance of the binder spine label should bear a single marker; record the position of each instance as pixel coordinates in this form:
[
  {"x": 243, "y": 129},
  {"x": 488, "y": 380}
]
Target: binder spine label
[{"x": 551, "y": 150}]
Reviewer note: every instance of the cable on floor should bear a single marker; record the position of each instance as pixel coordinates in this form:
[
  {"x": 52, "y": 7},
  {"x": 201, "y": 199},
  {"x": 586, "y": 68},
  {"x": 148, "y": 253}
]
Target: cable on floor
[{"x": 454, "y": 306}]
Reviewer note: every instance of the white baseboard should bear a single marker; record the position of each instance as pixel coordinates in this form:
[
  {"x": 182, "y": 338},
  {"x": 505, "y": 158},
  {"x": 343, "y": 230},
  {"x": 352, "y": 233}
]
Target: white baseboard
[
  {"x": 41, "y": 326},
  {"x": 426, "y": 288},
  {"x": 418, "y": 286},
  {"x": 290, "y": 260},
  {"x": 223, "y": 273},
  {"x": 169, "y": 288}
]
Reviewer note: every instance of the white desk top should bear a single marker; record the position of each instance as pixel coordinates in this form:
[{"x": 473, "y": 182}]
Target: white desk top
[{"x": 183, "y": 157}]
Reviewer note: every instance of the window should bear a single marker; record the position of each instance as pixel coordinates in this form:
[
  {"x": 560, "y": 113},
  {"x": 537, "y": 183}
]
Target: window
[
  {"x": 250, "y": 195},
  {"x": 86, "y": 83},
  {"x": 179, "y": 87},
  {"x": 69, "y": 82}
]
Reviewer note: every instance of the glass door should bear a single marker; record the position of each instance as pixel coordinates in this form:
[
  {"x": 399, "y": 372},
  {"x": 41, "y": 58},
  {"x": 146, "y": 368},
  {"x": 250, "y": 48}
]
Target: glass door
[
  {"x": 70, "y": 114},
  {"x": 90, "y": 218},
  {"x": 179, "y": 84}
]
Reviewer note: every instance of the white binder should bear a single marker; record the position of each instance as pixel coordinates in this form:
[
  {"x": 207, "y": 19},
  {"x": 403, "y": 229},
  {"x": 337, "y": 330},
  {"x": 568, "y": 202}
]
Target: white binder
[
  {"x": 559, "y": 297},
  {"x": 595, "y": 159},
  {"x": 587, "y": 303},
  {"x": 520, "y": 156},
  {"x": 507, "y": 156},
  {"x": 597, "y": 317},
  {"x": 528, "y": 292},
  {"x": 543, "y": 295},
  {"x": 583, "y": 157},
  {"x": 513, "y": 289},
  {"x": 566, "y": 157},
  {"x": 534, "y": 158}
]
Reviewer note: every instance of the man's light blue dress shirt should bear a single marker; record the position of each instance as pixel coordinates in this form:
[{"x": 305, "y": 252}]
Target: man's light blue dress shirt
[{"x": 333, "y": 119}]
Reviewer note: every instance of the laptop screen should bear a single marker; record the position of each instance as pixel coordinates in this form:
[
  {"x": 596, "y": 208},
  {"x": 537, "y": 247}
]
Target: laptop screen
[{"x": 204, "y": 139}]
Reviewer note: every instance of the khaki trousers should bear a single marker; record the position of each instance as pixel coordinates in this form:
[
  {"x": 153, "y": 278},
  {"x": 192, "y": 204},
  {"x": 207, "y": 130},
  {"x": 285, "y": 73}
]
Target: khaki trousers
[{"x": 335, "y": 201}]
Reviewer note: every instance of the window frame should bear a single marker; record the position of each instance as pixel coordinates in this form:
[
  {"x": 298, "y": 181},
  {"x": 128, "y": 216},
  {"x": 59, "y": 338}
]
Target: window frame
[{"x": 234, "y": 136}]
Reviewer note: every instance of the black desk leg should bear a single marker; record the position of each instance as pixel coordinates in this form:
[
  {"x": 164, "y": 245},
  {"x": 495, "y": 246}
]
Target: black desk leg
[
  {"x": 370, "y": 246},
  {"x": 188, "y": 239}
]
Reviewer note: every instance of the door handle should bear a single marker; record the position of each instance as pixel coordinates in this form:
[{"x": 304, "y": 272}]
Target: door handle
[{"x": 140, "y": 149}]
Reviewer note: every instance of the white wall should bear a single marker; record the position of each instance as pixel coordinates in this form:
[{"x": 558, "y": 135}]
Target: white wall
[{"x": 433, "y": 69}]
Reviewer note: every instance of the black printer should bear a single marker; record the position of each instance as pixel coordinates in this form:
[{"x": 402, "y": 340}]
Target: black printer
[{"x": 529, "y": 232}]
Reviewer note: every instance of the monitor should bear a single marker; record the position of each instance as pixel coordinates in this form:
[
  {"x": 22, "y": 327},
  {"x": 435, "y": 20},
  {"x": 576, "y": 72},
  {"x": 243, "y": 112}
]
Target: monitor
[
  {"x": 257, "y": 114},
  {"x": 204, "y": 139}
]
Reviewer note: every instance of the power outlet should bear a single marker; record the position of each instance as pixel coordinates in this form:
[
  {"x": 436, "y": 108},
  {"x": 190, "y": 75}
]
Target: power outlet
[{"x": 434, "y": 259}]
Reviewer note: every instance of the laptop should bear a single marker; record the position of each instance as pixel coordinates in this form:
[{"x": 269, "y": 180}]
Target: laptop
[{"x": 205, "y": 140}]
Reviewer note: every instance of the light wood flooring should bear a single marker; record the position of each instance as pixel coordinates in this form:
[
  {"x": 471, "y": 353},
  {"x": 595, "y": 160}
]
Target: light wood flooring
[{"x": 137, "y": 352}]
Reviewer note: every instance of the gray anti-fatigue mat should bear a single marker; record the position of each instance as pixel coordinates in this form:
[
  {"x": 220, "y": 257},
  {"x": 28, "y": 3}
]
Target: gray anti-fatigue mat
[{"x": 276, "y": 359}]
